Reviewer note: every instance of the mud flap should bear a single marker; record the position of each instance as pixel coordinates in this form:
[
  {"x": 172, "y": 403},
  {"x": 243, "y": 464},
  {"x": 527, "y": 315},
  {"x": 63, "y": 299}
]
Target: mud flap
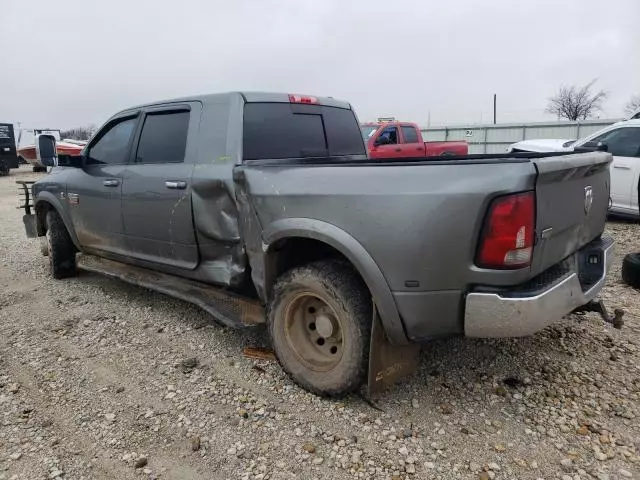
[
  {"x": 30, "y": 226},
  {"x": 388, "y": 363}
]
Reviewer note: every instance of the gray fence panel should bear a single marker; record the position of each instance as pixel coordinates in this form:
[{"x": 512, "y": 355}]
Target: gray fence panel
[{"x": 496, "y": 138}]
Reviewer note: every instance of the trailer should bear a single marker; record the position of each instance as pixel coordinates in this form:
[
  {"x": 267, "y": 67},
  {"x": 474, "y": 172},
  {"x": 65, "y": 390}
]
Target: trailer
[{"x": 8, "y": 154}]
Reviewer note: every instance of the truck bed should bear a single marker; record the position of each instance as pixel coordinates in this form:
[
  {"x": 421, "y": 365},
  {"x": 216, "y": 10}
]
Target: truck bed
[{"x": 421, "y": 218}]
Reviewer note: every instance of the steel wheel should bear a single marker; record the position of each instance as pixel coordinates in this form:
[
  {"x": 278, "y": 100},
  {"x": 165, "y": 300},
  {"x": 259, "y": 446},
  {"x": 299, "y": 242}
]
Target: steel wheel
[
  {"x": 314, "y": 332},
  {"x": 319, "y": 320}
]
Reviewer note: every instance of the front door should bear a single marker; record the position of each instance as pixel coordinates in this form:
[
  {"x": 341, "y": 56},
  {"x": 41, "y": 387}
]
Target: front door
[
  {"x": 386, "y": 144},
  {"x": 624, "y": 144},
  {"x": 94, "y": 191},
  {"x": 156, "y": 192}
]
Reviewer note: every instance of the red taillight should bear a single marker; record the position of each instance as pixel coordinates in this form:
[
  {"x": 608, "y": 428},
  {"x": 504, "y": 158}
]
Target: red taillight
[
  {"x": 302, "y": 99},
  {"x": 508, "y": 236}
]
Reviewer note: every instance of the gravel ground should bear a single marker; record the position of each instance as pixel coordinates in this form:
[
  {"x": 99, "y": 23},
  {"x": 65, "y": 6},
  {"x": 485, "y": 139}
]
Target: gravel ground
[{"x": 103, "y": 380}]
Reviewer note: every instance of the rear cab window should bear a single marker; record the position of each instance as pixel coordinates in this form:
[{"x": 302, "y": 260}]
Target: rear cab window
[
  {"x": 409, "y": 133},
  {"x": 288, "y": 130}
]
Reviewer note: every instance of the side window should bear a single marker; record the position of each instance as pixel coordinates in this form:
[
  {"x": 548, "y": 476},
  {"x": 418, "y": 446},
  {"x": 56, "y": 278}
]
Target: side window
[
  {"x": 391, "y": 133},
  {"x": 409, "y": 134},
  {"x": 112, "y": 146},
  {"x": 622, "y": 142},
  {"x": 163, "y": 138}
]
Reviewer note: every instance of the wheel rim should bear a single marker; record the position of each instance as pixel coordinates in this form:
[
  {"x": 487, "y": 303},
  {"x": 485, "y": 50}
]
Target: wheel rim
[{"x": 314, "y": 332}]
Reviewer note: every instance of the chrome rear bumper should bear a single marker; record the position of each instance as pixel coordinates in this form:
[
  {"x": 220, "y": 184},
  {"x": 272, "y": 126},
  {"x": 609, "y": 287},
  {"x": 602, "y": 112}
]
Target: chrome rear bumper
[{"x": 510, "y": 313}]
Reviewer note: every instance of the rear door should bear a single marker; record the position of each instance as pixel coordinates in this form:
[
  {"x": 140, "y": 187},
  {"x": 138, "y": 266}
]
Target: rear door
[
  {"x": 156, "y": 191},
  {"x": 624, "y": 144},
  {"x": 412, "y": 146},
  {"x": 572, "y": 196}
]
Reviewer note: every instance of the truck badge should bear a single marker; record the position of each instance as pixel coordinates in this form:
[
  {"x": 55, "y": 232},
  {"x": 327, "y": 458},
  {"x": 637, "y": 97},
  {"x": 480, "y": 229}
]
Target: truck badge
[{"x": 588, "y": 199}]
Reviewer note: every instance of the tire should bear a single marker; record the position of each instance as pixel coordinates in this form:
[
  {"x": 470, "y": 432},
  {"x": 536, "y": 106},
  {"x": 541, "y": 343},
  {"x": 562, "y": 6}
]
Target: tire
[
  {"x": 631, "y": 270},
  {"x": 62, "y": 251},
  {"x": 4, "y": 169},
  {"x": 320, "y": 320}
]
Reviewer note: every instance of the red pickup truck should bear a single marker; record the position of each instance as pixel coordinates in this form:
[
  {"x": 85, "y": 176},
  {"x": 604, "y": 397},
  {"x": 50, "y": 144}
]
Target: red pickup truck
[{"x": 391, "y": 139}]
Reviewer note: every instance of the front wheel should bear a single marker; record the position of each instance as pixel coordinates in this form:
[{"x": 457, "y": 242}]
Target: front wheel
[
  {"x": 320, "y": 325},
  {"x": 62, "y": 251}
]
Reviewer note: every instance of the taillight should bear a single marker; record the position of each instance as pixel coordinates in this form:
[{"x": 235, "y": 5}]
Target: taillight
[
  {"x": 508, "y": 235},
  {"x": 302, "y": 99}
]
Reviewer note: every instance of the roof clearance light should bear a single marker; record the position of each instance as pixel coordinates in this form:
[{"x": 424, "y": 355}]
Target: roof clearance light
[{"x": 303, "y": 99}]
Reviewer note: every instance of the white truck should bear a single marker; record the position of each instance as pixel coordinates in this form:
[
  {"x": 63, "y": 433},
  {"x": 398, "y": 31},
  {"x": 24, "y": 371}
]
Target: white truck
[{"x": 622, "y": 140}]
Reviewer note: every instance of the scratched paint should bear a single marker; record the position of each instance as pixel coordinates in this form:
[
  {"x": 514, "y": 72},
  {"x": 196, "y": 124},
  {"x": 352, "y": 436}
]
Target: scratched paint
[{"x": 171, "y": 221}]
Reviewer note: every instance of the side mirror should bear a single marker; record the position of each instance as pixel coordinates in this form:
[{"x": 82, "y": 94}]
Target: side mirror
[
  {"x": 46, "y": 150},
  {"x": 592, "y": 147}
]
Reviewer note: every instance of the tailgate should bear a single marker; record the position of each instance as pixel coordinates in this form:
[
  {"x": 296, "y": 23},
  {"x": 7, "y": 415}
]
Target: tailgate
[{"x": 572, "y": 199}]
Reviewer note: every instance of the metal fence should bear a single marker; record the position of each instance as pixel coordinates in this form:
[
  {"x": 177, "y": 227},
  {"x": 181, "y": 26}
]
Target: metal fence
[{"x": 496, "y": 138}]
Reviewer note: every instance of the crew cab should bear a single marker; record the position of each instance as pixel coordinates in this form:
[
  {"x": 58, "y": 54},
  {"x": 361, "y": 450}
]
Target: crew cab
[
  {"x": 265, "y": 208},
  {"x": 391, "y": 139}
]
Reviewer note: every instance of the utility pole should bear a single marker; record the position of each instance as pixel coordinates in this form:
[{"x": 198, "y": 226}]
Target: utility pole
[{"x": 494, "y": 108}]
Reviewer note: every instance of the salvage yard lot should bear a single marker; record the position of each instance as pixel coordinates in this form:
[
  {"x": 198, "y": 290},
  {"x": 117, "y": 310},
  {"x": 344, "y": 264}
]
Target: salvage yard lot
[{"x": 98, "y": 377}]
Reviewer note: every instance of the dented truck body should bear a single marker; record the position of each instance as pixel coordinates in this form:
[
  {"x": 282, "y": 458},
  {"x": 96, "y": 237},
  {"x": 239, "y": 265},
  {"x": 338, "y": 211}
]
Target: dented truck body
[{"x": 234, "y": 190}]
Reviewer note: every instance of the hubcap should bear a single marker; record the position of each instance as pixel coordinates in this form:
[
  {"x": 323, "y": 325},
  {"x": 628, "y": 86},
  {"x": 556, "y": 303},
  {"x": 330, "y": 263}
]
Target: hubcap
[{"x": 313, "y": 332}]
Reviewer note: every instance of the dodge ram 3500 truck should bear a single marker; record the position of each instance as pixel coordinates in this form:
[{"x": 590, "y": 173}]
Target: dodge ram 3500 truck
[
  {"x": 391, "y": 139},
  {"x": 264, "y": 208}
]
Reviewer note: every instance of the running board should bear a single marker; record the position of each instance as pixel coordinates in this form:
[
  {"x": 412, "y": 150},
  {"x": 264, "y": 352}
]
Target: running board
[{"x": 229, "y": 309}]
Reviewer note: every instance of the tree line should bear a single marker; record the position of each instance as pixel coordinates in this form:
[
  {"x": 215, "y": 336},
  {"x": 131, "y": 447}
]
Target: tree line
[
  {"x": 78, "y": 133},
  {"x": 583, "y": 102}
]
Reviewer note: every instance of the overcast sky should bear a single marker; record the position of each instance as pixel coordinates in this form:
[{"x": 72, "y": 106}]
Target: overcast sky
[{"x": 67, "y": 63}]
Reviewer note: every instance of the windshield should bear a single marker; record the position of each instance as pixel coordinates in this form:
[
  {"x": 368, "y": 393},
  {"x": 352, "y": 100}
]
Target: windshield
[{"x": 368, "y": 131}]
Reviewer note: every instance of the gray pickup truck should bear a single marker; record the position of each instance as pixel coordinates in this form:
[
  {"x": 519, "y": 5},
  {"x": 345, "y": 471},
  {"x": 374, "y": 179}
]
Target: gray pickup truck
[{"x": 264, "y": 208}]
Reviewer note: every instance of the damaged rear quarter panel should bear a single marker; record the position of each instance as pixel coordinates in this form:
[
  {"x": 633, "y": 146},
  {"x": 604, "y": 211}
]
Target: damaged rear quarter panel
[{"x": 215, "y": 212}]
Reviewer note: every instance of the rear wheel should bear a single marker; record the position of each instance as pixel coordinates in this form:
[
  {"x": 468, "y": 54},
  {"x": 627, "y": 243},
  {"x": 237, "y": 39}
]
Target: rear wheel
[
  {"x": 62, "y": 252},
  {"x": 4, "y": 169},
  {"x": 320, "y": 326}
]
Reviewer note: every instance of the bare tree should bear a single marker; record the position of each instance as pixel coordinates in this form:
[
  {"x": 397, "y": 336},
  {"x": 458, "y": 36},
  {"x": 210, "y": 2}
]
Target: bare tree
[
  {"x": 79, "y": 133},
  {"x": 576, "y": 103},
  {"x": 632, "y": 105}
]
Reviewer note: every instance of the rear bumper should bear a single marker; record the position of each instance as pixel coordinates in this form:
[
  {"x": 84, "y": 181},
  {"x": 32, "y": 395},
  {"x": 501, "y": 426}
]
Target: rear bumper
[{"x": 543, "y": 301}]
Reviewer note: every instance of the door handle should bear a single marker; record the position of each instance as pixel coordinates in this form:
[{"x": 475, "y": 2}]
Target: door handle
[
  {"x": 622, "y": 166},
  {"x": 175, "y": 185},
  {"x": 111, "y": 182},
  {"x": 419, "y": 149},
  {"x": 398, "y": 149}
]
